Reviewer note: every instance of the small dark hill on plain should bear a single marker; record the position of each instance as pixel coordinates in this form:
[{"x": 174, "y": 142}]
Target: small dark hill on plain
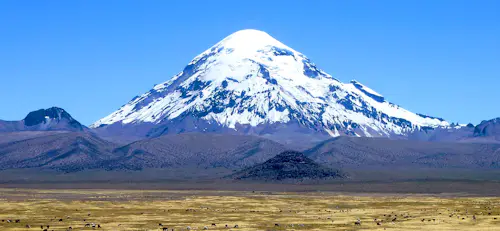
[
  {"x": 67, "y": 151},
  {"x": 199, "y": 150},
  {"x": 286, "y": 166}
]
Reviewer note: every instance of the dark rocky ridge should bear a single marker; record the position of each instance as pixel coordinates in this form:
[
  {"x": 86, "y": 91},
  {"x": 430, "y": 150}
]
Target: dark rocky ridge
[
  {"x": 287, "y": 166},
  {"x": 51, "y": 119},
  {"x": 488, "y": 131},
  {"x": 489, "y": 128}
]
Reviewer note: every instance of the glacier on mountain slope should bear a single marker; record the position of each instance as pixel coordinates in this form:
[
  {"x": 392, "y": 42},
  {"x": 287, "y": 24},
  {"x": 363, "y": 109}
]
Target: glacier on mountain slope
[{"x": 250, "y": 78}]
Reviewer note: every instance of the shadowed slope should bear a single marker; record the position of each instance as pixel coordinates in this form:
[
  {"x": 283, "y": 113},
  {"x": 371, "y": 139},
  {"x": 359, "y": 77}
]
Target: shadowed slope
[
  {"x": 69, "y": 151},
  {"x": 197, "y": 150},
  {"x": 379, "y": 152}
]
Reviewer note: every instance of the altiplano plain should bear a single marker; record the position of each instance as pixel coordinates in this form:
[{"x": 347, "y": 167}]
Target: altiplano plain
[{"x": 259, "y": 210}]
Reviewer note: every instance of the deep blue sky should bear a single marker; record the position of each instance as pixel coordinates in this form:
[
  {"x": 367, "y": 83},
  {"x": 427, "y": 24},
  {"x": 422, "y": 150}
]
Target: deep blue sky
[{"x": 440, "y": 58}]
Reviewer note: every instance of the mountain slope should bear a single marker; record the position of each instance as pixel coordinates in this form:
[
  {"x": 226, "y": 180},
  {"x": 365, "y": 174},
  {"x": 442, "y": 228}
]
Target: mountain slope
[
  {"x": 7, "y": 137},
  {"x": 288, "y": 165},
  {"x": 489, "y": 129},
  {"x": 68, "y": 151},
  {"x": 250, "y": 83},
  {"x": 196, "y": 150},
  {"x": 361, "y": 152},
  {"x": 51, "y": 119}
]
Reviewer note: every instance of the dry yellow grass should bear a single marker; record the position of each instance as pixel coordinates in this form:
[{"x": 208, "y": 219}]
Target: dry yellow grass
[{"x": 144, "y": 210}]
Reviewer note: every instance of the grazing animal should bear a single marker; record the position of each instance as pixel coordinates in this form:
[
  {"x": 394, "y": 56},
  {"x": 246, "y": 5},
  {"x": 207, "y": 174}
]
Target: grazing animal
[
  {"x": 98, "y": 226},
  {"x": 61, "y": 219},
  {"x": 227, "y": 226},
  {"x": 236, "y": 226},
  {"x": 165, "y": 229},
  {"x": 17, "y": 221},
  {"x": 213, "y": 224},
  {"x": 28, "y": 226},
  {"x": 188, "y": 228},
  {"x": 205, "y": 228},
  {"x": 358, "y": 222},
  {"x": 160, "y": 224},
  {"x": 393, "y": 220},
  {"x": 277, "y": 225}
]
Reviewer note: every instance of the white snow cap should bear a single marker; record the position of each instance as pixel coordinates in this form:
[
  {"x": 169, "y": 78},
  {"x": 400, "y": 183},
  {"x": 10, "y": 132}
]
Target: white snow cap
[
  {"x": 251, "y": 39},
  {"x": 250, "y": 78}
]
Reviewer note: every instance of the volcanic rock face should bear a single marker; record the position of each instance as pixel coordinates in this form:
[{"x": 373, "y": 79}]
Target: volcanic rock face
[
  {"x": 51, "y": 119},
  {"x": 490, "y": 128},
  {"x": 286, "y": 166},
  {"x": 250, "y": 83}
]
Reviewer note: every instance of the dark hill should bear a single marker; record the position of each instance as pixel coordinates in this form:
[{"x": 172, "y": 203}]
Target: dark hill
[
  {"x": 288, "y": 165},
  {"x": 51, "y": 119},
  {"x": 488, "y": 129},
  {"x": 68, "y": 151}
]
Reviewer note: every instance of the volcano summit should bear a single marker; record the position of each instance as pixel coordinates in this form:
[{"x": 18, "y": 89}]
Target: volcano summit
[{"x": 250, "y": 83}]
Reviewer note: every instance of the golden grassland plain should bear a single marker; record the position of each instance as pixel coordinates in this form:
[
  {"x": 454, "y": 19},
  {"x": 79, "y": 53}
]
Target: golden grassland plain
[{"x": 145, "y": 210}]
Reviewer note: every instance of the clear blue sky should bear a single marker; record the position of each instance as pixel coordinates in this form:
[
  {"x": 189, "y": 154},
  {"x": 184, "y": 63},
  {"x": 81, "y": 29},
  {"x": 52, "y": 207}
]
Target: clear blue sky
[{"x": 440, "y": 58}]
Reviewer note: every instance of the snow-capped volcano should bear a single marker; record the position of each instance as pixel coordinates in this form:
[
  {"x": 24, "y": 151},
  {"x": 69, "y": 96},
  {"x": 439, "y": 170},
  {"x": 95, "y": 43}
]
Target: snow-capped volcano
[{"x": 251, "y": 83}]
